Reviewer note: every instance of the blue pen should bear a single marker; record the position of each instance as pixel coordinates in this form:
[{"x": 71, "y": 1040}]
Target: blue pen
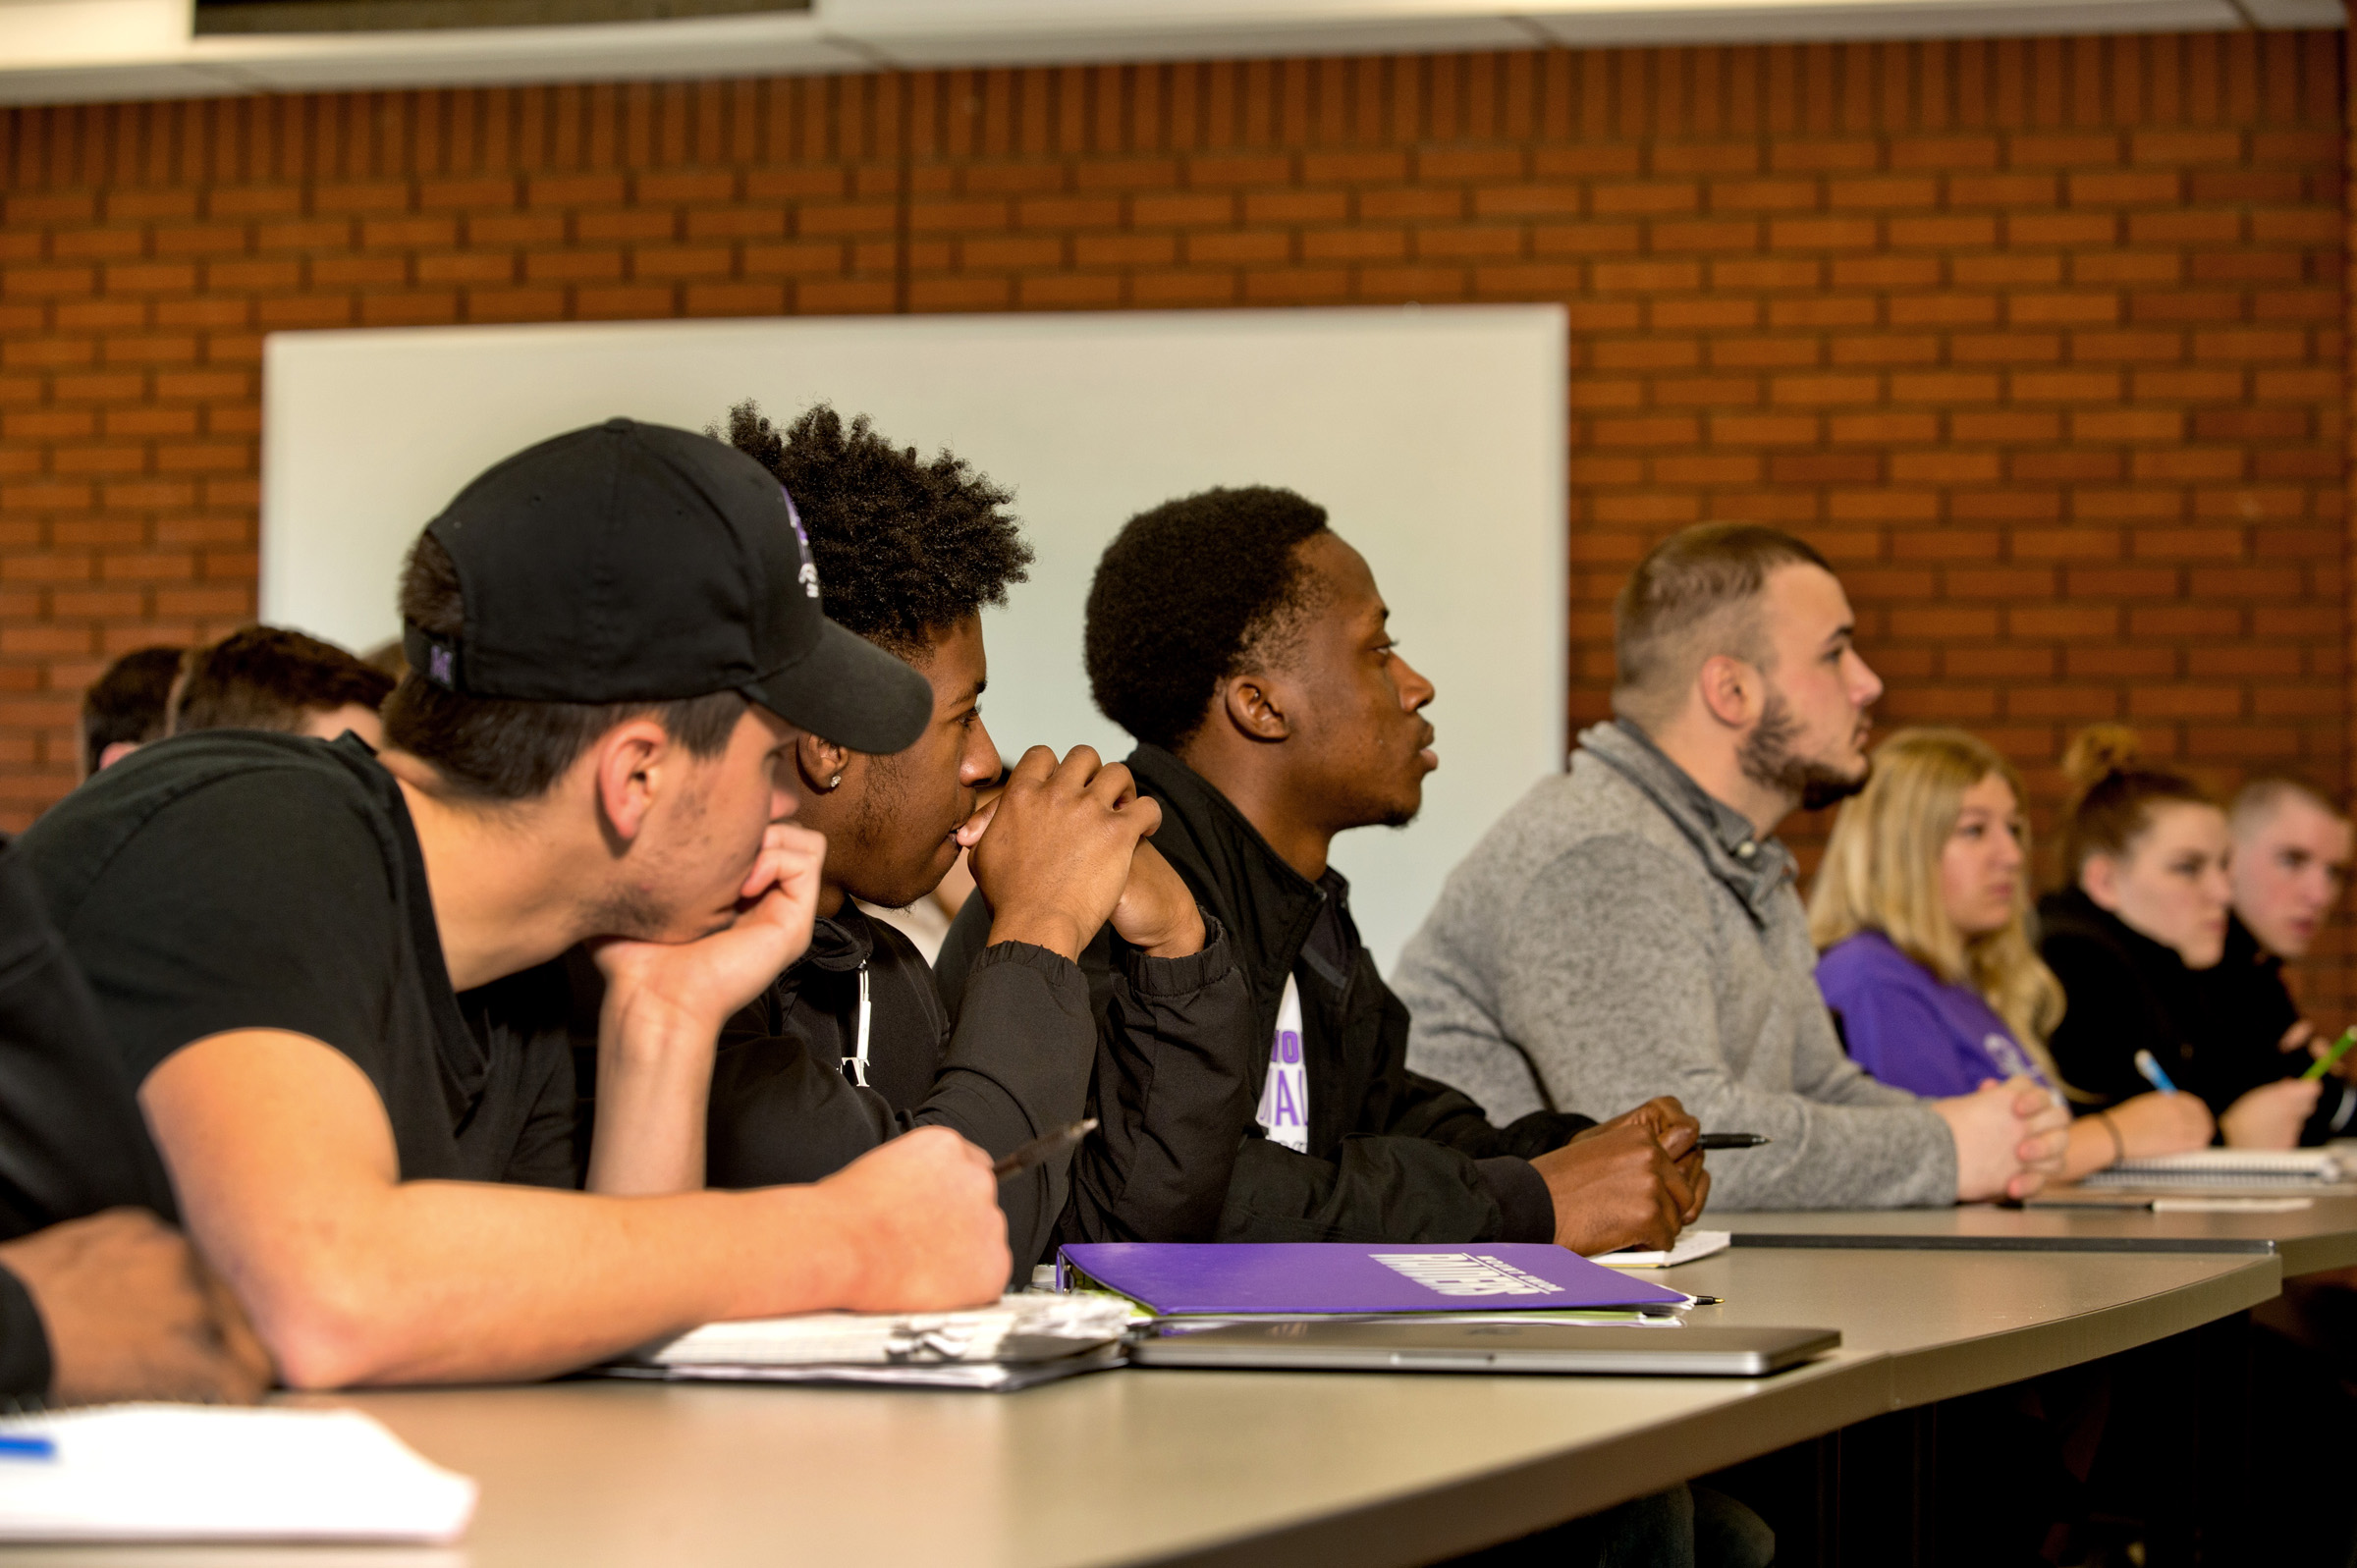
[
  {"x": 27, "y": 1447},
  {"x": 2151, "y": 1068}
]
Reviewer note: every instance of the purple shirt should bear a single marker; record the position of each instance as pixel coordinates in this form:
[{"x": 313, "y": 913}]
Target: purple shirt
[{"x": 1911, "y": 1029}]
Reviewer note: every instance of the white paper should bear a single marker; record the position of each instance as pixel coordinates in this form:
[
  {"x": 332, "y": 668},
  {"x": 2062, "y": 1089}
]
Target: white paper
[
  {"x": 1691, "y": 1244},
  {"x": 215, "y": 1473},
  {"x": 1020, "y": 1328}
]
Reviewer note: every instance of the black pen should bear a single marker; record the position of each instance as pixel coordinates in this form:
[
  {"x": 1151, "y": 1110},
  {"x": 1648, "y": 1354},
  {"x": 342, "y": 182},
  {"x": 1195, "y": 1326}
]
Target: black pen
[
  {"x": 1044, "y": 1147},
  {"x": 1730, "y": 1140}
]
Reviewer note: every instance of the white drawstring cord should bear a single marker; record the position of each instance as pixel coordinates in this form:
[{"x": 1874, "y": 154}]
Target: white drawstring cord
[{"x": 858, "y": 1063}]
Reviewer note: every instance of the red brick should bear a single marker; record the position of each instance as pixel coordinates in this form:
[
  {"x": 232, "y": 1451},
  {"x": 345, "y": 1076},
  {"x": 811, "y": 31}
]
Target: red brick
[{"x": 2067, "y": 402}]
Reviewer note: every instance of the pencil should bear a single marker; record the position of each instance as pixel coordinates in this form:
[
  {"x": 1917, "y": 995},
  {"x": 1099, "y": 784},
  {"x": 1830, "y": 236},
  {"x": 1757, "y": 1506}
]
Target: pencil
[{"x": 1044, "y": 1147}]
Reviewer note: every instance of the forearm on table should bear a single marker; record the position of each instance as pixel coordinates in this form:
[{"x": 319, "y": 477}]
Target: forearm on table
[
  {"x": 456, "y": 1281},
  {"x": 654, "y": 1085}
]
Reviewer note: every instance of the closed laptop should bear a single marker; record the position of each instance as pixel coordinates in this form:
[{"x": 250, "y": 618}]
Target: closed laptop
[{"x": 1687, "y": 1351}]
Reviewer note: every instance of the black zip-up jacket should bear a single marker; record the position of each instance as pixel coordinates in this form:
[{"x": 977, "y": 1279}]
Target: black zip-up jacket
[
  {"x": 1018, "y": 1062},
  {"x": 1393, "y": 1156},
  {"x": 2215, "y": 1031}
]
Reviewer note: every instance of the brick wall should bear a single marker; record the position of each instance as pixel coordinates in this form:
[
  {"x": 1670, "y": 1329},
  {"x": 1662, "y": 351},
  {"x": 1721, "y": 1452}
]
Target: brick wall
[{"x": 2044, "y": 341}]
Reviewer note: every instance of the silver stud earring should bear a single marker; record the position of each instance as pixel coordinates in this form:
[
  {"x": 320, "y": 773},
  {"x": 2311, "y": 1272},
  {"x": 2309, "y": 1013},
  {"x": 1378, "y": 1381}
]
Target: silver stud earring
[{"x": 835, "y": 782}]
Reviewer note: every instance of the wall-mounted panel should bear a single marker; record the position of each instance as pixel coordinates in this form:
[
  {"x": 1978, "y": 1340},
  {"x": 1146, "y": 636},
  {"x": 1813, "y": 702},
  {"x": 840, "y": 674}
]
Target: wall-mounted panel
[{"x": 1435, "y": 438}]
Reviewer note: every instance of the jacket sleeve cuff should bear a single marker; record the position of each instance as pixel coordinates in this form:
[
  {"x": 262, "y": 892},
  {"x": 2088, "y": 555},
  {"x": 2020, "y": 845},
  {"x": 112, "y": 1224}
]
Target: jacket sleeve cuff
[
  {"x": 1149, "y": 976},
  {"x": 25, "y": 1368},
  {"x": 1059, "y": 969},
  {"x": 1523, "y": 1198}
]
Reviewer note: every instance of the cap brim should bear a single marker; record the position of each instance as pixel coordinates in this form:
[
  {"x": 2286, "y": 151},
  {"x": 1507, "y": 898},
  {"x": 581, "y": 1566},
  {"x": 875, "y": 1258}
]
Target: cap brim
[{"x": 849, "y": 691}]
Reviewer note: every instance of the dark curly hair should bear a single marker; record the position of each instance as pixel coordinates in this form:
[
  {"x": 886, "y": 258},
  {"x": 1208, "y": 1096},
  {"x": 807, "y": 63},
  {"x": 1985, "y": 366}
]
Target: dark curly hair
[
  {"x": 1188, "y": 594},
  {"x": 905, "y": 547}
]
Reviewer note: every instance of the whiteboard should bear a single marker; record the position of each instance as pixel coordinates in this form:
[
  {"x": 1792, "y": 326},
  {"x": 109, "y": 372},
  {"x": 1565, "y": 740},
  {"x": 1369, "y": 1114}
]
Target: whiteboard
[{"x": 1434, "y": 437}]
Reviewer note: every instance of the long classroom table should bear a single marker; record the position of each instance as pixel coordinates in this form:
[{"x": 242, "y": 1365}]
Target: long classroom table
[
  {"x": 1240, "y": 1468},
  {"x": 2321, "y": 1236}
]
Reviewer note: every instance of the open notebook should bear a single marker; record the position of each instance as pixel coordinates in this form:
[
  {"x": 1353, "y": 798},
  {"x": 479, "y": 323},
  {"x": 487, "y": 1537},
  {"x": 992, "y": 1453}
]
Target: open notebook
[{"x": 199, "y": 1473}]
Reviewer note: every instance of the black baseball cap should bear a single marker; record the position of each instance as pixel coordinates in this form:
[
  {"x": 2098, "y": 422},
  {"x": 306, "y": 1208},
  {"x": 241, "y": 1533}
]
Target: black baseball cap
[{"x": 635, "y": 563}]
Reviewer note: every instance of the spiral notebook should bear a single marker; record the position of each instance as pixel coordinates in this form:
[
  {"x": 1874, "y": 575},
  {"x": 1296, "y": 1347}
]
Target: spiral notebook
[{"x": 2279, "y": 1170}]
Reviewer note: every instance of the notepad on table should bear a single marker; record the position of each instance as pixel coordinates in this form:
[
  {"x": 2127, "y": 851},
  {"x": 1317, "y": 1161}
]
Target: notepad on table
[
  {"x": 1691, "y": 1245},
  {"x": 204, "y": 1473},
  {"x": 1024, "y": 1339}
]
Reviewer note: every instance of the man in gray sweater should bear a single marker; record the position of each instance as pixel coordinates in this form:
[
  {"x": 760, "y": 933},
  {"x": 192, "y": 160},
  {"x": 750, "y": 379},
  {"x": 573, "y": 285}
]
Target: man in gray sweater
[{"x": 1632, "y": 929}]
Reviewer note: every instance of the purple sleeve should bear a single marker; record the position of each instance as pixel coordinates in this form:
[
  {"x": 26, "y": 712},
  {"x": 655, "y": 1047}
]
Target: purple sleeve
[{"x": 1892, "y": 1024}]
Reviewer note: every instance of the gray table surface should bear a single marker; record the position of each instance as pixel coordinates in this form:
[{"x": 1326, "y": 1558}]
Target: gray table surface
[
  {"x": 2323, "y": 1235},
  {"x": 1240, "y": 1468}
]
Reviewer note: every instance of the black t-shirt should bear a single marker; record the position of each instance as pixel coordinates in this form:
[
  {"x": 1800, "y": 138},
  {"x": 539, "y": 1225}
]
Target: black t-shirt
[
  {"x": 71, "y": 1138},
  {"x": 243, "y": 879}
]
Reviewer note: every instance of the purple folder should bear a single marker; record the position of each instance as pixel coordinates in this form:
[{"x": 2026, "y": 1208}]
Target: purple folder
[{"x": 1231, "y": 1279}]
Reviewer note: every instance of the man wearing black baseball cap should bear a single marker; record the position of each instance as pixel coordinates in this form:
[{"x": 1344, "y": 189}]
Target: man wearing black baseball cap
[{"x": 338, "y": 979}]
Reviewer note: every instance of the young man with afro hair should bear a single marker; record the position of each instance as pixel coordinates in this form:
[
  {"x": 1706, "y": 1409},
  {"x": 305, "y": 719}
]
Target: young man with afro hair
[
  {"x": 1245, "y": 646},
  {"x": 851, "y": 1044}
]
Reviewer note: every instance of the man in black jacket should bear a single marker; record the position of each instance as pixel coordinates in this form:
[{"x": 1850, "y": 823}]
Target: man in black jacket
[
  {"x": 1245, "y": 646},
  {"x": 99, "y": 1299},
  {"x": 851, "y": 1046}
]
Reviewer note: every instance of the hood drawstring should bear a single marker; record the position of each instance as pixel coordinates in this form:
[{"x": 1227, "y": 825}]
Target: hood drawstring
[{"x": 854, "y": 1068}]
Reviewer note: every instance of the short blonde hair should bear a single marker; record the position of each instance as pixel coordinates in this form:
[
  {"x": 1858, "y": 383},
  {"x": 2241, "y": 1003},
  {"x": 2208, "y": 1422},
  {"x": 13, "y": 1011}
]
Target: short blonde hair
[{"x": 1881, "y": 872}]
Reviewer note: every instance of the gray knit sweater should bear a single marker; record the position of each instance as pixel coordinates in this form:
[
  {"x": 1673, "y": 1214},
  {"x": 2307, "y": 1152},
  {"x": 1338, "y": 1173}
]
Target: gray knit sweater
[{"x": 1619, "y": 934}]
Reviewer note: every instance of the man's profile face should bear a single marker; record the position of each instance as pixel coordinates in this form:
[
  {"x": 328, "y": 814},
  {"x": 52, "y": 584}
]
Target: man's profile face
[
  {"x": 2288, "y": 873},
  {"x": 1359, "y": 709},
  {"x": 700, "y": 842},
  {"x": 893, "y": 841},
  {"x": 1810, "y": 740}
]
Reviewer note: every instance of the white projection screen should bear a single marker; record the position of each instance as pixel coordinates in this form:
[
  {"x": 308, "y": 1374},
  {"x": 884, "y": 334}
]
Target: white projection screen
[{"x": 1434, "y": 437}]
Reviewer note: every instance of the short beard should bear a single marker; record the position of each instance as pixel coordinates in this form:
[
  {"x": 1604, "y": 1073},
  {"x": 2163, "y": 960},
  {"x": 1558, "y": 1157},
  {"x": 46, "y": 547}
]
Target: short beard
[
  {"x": 629, "y": 913},
  {"x": 1768, "y": 760}
]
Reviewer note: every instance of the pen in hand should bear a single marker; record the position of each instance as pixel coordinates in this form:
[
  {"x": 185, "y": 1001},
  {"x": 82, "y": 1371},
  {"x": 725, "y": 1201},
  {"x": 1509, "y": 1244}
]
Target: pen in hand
[
  {"x": 1044, "y": 1147},
  {"x": 2150, "y": 1065},
  {"x": 2323, "y": 1064},
  {"x": 1730, "y": 1140}
]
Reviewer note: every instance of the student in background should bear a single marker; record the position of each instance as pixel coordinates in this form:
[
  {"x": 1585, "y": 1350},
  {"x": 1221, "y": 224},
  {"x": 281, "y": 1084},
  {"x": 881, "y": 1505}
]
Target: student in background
[
  {"x": 1632, "y": 929},
  {"x": 1921, "y": 916},
  {"x": 2290, "y": 867},
  {"x": 851, "y": 1046},
  {"x": 126, "y": 707},
  {"x": 2143, "y": 915},
  {"x": 267, "y": 678},
  {"x": 335, "y": 977},
  {"x": 1248, "y": 650}
]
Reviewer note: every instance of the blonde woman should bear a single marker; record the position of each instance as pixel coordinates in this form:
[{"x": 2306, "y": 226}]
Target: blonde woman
[{"x": 1921, "y": 910}]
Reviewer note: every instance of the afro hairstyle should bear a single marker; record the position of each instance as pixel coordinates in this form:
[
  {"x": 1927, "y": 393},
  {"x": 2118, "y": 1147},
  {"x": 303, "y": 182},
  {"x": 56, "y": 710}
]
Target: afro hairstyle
[
  {"x": 906, "y": 548},
  {"x": 1187, "y": 595}
]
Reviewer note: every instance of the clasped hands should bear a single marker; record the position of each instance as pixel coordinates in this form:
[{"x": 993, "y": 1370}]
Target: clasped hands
[{"x": 1061, "y": 851}]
